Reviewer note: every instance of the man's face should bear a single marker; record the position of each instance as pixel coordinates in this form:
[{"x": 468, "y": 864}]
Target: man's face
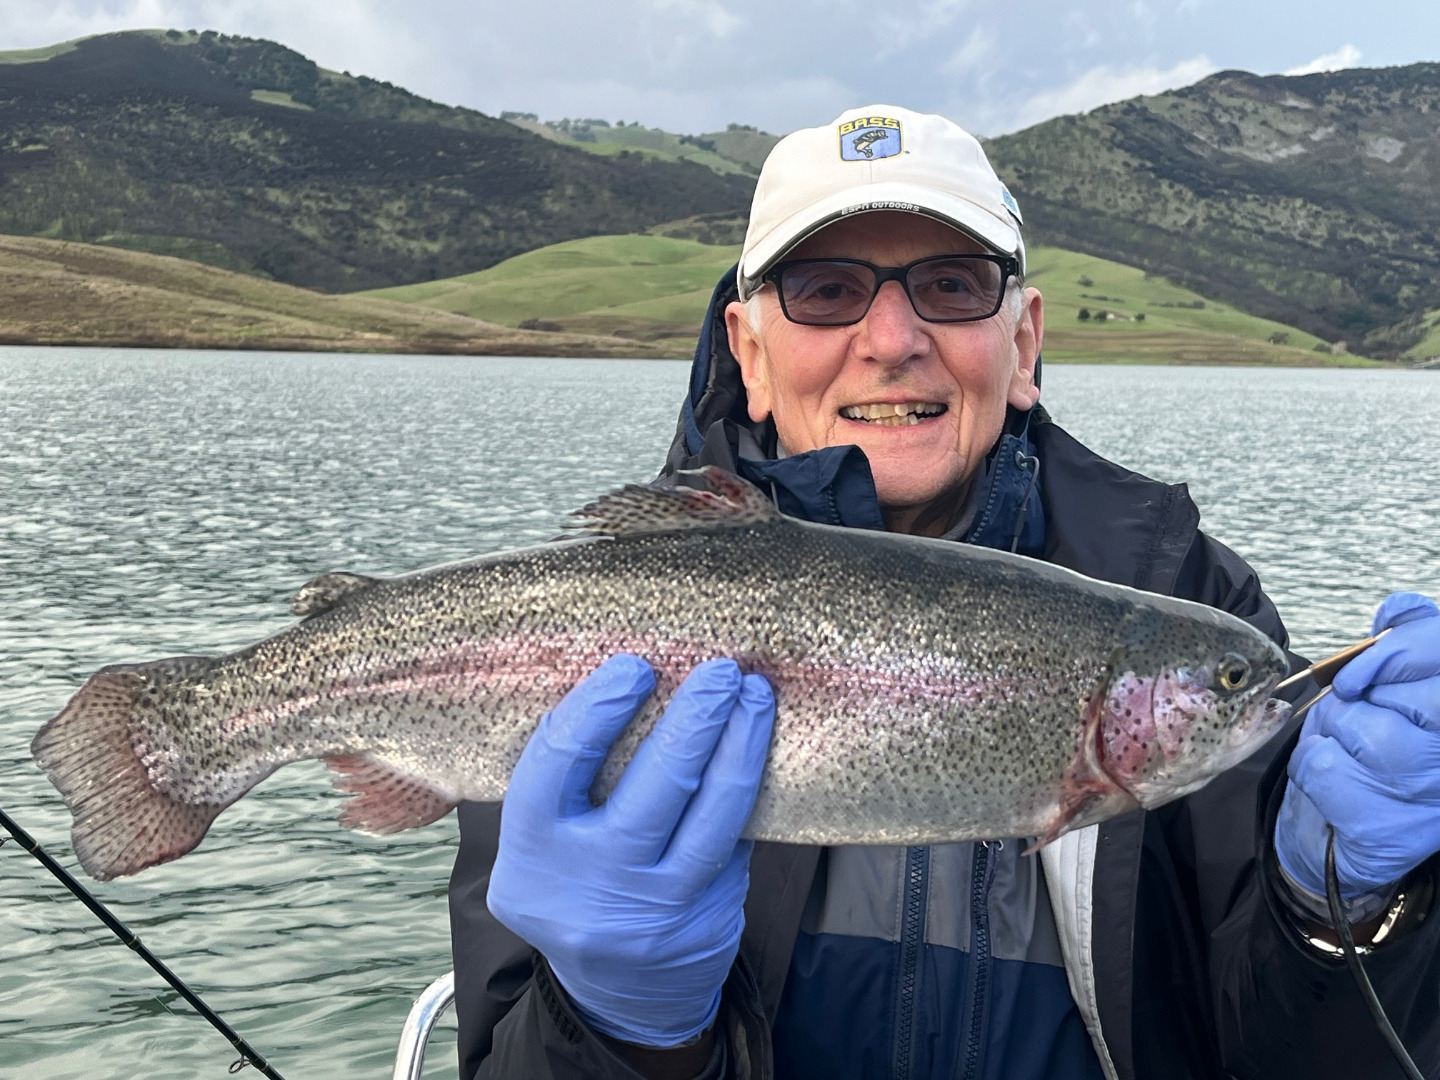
[{"x": 816, "y": 381}]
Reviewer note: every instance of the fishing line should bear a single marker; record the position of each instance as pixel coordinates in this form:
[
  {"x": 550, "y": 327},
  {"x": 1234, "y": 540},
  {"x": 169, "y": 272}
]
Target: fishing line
[
  {"x": 248, "y": 1054},
  {"x": 1337, "y": 911},
  {"x": 88, "y": 931},
  {"x": 1352, "y": 958}
]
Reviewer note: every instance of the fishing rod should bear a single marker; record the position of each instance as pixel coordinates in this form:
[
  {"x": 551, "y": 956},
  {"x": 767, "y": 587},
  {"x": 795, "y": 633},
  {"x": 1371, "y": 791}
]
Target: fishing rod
[{"x": 248, "y": 1055}]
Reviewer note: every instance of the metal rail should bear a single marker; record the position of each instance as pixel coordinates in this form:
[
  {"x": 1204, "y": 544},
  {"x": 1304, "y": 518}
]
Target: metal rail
[{"x": 415, "y": 1035}]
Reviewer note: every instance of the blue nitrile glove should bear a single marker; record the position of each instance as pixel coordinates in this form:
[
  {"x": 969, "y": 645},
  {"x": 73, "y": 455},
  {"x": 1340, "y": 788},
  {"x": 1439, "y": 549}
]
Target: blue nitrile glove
[
  {"x": 637, "y": 904},
  {"x": 1368, "y": 762}
]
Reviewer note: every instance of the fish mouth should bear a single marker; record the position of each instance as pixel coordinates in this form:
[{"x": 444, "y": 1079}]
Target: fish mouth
[
  {"x": 894, "y": 414},
  {"x": 1268, "y": 719}
]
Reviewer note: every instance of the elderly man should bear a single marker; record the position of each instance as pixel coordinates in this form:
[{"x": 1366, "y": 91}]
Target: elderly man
[{"x": 873, "y": 363}]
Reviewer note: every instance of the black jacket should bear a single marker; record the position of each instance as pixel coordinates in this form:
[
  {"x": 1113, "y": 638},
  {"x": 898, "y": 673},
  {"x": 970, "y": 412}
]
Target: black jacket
[{"x": 1199, "y": 967}]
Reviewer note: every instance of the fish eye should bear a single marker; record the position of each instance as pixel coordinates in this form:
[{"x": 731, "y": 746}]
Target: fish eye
[{"x": 1233, "y": 671}]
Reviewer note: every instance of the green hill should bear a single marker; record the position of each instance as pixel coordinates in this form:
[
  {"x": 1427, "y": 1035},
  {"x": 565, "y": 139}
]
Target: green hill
[
  {"x": 645, "y": 288},
  {"x": 1311, "y": 200},
  {"x": 1150, "y": 320},
  {"x": 246, "y": 155},
  {"x": 653, "y": 288},
  {"x": 59, "y": 293}
]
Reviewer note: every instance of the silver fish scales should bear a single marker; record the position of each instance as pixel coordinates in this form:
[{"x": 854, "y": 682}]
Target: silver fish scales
[{"x": 926, "y": 691}]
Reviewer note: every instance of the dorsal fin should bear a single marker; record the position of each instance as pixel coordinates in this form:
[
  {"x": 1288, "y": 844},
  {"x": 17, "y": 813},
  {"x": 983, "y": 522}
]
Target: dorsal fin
[
  {"x": 327, "y": 590},
  {"x": 725, "y": 501}
]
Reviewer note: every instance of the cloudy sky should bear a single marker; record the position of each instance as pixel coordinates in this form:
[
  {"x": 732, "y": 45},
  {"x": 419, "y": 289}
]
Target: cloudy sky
[{"x": 695, "y": 65}]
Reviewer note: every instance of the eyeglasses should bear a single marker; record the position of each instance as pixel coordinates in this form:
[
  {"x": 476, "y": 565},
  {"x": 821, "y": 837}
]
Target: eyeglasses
[{"x": 942, "y": 289}]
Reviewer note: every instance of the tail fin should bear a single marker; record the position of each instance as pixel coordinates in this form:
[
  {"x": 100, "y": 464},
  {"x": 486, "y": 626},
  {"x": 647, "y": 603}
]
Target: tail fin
[{"x": 122, "y": 824}]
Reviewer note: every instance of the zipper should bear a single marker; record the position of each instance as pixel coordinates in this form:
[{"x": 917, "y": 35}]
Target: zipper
[
  {"x": 912, "y": 935},
  {"x": 982, "y": 874}
]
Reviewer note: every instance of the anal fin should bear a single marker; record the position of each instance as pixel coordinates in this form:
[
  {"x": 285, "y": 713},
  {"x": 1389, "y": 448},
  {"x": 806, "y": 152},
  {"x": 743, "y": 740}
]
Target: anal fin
[{"x": 388, "y": 800}]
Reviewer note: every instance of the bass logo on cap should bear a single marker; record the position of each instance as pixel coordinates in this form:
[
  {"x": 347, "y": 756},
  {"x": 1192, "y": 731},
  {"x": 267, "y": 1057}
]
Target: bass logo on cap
[{"x": 869, "y": 138}]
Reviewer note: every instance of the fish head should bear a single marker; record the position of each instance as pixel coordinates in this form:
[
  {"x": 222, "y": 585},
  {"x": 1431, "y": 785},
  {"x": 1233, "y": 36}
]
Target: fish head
[{"x": 1188, "y": 697}]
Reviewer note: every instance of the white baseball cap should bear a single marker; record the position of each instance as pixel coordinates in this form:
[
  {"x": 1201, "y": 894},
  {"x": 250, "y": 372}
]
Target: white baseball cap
[{"x": 880, "y": 157}]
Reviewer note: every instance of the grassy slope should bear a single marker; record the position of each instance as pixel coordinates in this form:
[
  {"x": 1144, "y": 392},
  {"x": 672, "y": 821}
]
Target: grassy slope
[
  {"x": 618, "y": 145},
  {"x": 656, "y": 288},
  {"x": 643, "y": 287},
  {"x": 49, "y": 52},
  {"x": 36, "y": 56},
  {"x": 1216, "y": 333},
  {"x": 743, "y": 144},
  {"x": 59, "y": 293},
  {"x": 1429, "y": 346}
]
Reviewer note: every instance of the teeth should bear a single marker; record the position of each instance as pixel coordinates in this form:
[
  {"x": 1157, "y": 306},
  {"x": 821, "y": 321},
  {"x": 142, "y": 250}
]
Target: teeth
[{"x": 906, "y": 414}]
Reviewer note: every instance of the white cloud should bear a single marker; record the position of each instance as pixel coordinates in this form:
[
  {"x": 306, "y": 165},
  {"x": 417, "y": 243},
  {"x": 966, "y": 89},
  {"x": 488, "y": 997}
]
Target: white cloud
[
  {"x": 1080, "y": 33},
  {"x": 943, "y": 11},
  {"x": 1347, "y": 56},
  {"x": 1142, "y": 15},
  {"x": 902, "y": 25},
  {"x": 977, "y": 54},
  {"x": 1104, "y": 84},
  {"x": 714, "y": 16}
]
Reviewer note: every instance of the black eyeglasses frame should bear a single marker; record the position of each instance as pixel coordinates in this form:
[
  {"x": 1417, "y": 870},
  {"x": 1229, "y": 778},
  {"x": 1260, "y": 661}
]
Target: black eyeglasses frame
[{"x": 1007, "y": 263}]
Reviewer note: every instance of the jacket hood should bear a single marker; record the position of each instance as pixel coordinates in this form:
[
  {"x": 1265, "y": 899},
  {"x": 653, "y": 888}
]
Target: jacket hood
[{"x": 833, "y": 485}]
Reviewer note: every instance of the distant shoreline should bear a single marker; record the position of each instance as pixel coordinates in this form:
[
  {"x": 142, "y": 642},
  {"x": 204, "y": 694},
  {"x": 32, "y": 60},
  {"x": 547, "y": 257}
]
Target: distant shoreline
[
  {"x": 563, "y": 350},
  {"x": 501, "y": 351}
]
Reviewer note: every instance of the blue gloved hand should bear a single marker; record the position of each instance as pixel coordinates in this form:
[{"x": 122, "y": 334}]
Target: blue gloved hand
[
  {"x": 1368, "y": 762},
  {"x": 637, "y": 904}
]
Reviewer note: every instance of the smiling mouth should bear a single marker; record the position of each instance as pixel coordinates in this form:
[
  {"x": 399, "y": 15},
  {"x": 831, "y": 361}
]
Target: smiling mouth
[{"x": 886, "y": 415}]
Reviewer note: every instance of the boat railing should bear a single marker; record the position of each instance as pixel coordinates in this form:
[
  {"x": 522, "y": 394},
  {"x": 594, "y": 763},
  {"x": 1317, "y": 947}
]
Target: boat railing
[{"x": 415, "y": 1036}]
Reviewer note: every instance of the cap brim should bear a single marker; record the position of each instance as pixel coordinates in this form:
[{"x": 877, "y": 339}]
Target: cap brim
[{"x": 964, "y": 215}]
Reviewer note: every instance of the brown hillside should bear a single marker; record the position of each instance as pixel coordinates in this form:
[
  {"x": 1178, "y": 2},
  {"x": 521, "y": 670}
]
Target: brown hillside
[{"x": 57, "y": 293}]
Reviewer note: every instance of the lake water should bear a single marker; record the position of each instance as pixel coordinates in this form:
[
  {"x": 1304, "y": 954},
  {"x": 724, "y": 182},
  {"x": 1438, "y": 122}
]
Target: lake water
[{"x": 155, "y": 503}]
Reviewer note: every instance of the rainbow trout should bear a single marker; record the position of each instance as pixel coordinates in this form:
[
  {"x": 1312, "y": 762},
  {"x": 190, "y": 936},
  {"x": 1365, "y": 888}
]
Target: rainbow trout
[{"x": 926, "y": 691}]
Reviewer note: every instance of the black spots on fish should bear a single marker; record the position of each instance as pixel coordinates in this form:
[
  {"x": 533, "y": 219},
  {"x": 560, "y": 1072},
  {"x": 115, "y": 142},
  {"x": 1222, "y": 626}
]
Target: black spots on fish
[{"x": 1145, "y": 629}]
